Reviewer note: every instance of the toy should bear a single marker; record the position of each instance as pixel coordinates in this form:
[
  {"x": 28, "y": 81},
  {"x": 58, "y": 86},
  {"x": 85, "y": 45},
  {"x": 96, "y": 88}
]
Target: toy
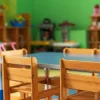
[
  {"x": 18, "y": 21},
  {"x": 47, "y": 29},
  {"x": 96, "y": 9},
  {"x": 3, "y": 45},
  {"x": 64, "y": 27}
]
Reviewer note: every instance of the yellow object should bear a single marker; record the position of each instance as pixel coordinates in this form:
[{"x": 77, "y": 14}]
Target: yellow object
[
  {"x": 5, "y": 7},
  {"x": 44, "y": 43}
]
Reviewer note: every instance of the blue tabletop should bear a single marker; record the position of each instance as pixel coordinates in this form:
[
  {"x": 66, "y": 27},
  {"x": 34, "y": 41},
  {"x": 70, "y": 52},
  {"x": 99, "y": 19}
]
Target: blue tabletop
[{"x": 51, "y": 58}]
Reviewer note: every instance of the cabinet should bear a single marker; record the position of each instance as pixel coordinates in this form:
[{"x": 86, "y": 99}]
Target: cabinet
[
  {"x": 20, "y": 35},
  {"x": 94, "y": 32}
]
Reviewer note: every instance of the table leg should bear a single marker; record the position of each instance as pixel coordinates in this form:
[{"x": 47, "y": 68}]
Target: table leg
[
  {"x": 47, "y": 80},
  {"x": 46, "y": 73}
]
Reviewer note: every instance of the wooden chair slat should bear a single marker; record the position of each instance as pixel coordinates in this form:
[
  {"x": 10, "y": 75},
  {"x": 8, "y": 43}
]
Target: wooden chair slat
[
  {"x": 82, "y": 65},
  {"x": 79, "y": 51},
  {"x": 19, "y": 72},
  {"x": 19, "y": 52},
  {"x": 82, "y": 82},
  {"x": 19, "y": 61}
]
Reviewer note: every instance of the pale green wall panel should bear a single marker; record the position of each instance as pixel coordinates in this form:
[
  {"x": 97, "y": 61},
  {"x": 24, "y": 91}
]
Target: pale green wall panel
[
  {"x": 79, "y": 36},
  {"x": 76, "y": 11}
]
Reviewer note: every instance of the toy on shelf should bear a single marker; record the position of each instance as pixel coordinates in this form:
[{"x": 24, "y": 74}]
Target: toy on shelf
[
  {"x": 96, "y": 9},
  {"x": 3, "y": 7},
  {"x": 18, "y": 21},
  {"x": 21, "y": 40},
  {"x": 46, "y": 30},
  {"x": 64, "y": 28}
]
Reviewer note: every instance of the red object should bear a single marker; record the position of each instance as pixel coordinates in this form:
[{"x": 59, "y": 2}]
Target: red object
[{"x": 66, "y": 24}]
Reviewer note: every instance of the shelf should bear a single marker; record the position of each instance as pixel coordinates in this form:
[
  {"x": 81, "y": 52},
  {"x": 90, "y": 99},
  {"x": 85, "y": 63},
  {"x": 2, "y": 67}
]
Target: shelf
[
  {"x": 94, "y": 42},
  {"x": 44, "y": 43},
  {"x": 1, "y": 27},
  {"x": 8, "y": 34},
  {"x": 94, "y": 28},
  {"x": 94, "y": 32},
  {"x": 95, "y": 16},
  {"x": 1, "y": 13}
]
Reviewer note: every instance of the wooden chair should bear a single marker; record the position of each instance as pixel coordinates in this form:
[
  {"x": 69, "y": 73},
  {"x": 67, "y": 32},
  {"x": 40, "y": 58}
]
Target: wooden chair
[
  {"x": 29, "y": 77},
  {"x": 90, "y": 84},
  {"x": 79, "y": 51},
  {"x": 20, "y": 52},
  {"x": 97, "y": 51}
]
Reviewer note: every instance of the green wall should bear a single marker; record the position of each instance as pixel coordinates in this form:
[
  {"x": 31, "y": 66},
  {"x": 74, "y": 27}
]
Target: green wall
[{"x": 76, "y": 11}]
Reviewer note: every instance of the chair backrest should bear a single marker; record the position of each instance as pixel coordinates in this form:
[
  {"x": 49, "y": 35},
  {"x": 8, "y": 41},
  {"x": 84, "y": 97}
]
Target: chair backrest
[
  {"x": 78, "y": 81},
  {"x": 18, "y": 52},
  {"x": 97, "y": 51},
  {"x": 78, "y": 51},
  {"x": 18, "y": 74}
]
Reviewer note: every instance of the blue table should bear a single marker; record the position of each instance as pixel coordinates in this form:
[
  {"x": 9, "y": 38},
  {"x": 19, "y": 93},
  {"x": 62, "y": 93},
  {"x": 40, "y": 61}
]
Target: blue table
[{"x": 52, "y": 60}]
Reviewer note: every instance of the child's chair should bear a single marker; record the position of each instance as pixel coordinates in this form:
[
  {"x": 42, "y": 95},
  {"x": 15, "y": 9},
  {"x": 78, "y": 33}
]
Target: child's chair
[
  {"x": 80, "y": 51},
  {"x": 89, "y": 85},
  {"x": 28, "y": 78}
]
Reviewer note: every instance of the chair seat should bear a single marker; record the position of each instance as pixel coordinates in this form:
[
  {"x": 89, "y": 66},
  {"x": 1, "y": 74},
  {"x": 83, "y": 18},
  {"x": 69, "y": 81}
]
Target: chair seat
[{"x": 83, "y": 96}]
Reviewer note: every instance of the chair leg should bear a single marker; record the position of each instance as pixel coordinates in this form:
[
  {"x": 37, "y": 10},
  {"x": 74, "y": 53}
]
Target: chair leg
[{"x": 22, "y": 95}]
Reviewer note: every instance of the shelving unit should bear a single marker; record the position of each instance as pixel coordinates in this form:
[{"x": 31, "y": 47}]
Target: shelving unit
[
  {"x": 2, "y": 27},
  {"x": 94, "y": 32},
  {"x": 20, "y": 35}
]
